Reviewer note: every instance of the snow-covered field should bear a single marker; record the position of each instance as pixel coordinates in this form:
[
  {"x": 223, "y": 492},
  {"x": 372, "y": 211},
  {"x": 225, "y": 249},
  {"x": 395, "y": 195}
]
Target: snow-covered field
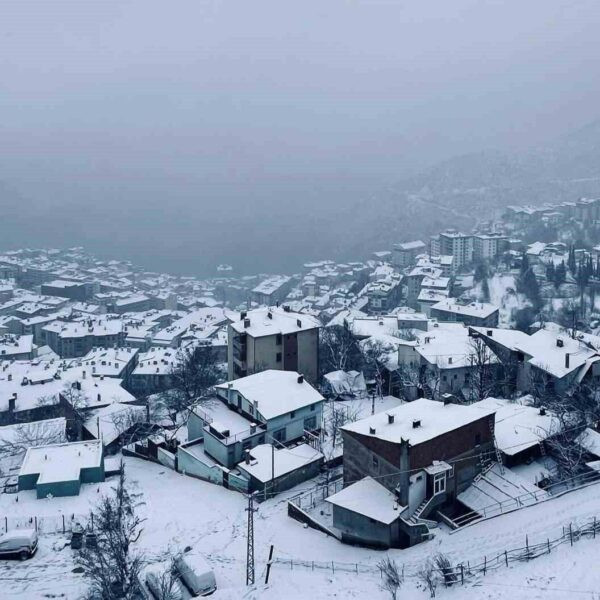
[{"x": 182, "y": 511}]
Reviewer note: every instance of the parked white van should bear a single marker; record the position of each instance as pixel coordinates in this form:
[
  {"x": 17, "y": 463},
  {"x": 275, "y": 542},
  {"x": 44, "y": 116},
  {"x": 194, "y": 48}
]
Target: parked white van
[
  {"x": 20, "y": 543},
  {"x": 196, "y": 573}
]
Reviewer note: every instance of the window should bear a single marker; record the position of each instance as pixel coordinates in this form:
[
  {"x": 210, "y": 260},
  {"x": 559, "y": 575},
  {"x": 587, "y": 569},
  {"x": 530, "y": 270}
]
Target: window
[
  {"x": 310, "y": 423},
  {"x": 477, "y": 439},
  {"x": 312, "y": 407},
  {"x": 439, "y": 483},
  {"x": 278, "y": 339},
  {"x": 279, "y": 435},
  {"x": 278, "y": 357},
  {"x": 292, "y": 414}
]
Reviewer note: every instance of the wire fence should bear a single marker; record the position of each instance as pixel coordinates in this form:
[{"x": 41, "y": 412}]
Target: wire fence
[
  {"x": 460, "y": 572},
  {"x": 48, "y": 524},
  {"x": 318, "y": 494}
]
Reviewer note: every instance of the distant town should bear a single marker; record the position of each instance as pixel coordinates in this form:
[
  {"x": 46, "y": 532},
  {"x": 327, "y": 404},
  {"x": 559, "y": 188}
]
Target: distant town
[{"x": 402, "y": 402}]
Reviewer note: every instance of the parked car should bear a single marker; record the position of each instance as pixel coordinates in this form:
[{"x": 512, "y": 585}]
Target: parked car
[
  {"x": 21, "y": 543},
  {"x": 196, "y": 573}
]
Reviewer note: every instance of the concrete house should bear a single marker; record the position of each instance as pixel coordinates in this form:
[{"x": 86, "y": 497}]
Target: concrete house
[
  {"x": 445, "y": 359},
  {"x": 271, "y": 405},
  {"x": 60, "y": 469},
  {"x": 424, "y": 453},
  {"x": 273, "y": 338},
  {"x": 545, "y": 361},
  {"x": 405, "y": 254},
  {"x": 478, "y": 314}
]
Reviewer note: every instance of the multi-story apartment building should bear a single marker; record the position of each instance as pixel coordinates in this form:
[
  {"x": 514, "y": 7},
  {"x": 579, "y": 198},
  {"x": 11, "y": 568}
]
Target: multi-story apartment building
[
  {"x": 273, "y": 338},
  {"x": 459, "y": 245},
  {"x": 487, "y": 246},
  {"x": 72, "y": 339},
  {"x": 405, "y": 254}
]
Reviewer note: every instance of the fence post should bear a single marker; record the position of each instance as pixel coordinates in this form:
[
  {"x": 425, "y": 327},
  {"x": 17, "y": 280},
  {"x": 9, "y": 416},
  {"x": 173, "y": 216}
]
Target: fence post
[
  {"x": 292, "y": 564},
  {"x": 484, "y": 564},
  {"x": 5, "y": 524},
  {"x": 571, "y": 532},
  {"x": 548, "y": 545},
  {"x": 527, "y": 545},
  {"x": 357, "y": 568},
  {"x": 594, "y": 527},
  {"x": 63, "y": 519},
  {"x": 36, "y": 523},
  {"x": 462, "y": 575},
  {"x": 332, "y": 567},
  {"x": 312, "y": 565},
  {"x": 506, "y": 557}
]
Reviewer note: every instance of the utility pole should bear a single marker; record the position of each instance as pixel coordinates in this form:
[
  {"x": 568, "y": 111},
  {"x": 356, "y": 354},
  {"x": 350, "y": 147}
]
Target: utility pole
[
  {"x": 272, "y": 468},
  {"x": 250, "y": 548}
]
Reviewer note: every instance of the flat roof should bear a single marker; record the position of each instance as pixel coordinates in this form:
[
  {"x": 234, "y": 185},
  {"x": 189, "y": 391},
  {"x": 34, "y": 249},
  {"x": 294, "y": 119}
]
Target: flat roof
[
  {"x": 285, "y": 461},
  {"x": 61, "y": 462},
  {"x": 436, "y": 418},
  {"x": 281, "y": 321}
]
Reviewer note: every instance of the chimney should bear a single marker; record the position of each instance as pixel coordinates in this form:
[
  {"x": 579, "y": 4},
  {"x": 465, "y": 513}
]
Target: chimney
[
  {"x": 299, "y": 322},
  {"x": 246, "y": 323},
  {"x": 372, "y": 430},
  {"x": 559, "y": 343},
  {"x": 99, "y": 397},
  {"x": 243, "y": 315},
  {"x": 247, "y": 459},
  {"x": 270, "y": 315},
  {"x": 490, "y": 332},
  {"x": 567, "y": 360},
  {"x": 12, "y": 402},
  {"x": 416, "y": 423},
  {"x": 542, "y": 411},
  {"x": 300, "y": 378},
  {"x": 449, "y": 360},
  {"x": 390, "y": 419},
  {"x": 252, "y": 427}
]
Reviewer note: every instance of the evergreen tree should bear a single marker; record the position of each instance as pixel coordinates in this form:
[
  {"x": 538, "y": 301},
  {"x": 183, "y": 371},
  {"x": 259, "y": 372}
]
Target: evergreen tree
[
  {"x": 560, "y": 274},
  {"x": 485, "y": 290},
  {"x": 571, "y": 262}
]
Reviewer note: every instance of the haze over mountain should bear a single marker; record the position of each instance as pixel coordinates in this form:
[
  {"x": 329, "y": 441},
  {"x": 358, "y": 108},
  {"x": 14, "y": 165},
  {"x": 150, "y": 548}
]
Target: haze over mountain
[{"x": 266, "y": 134}]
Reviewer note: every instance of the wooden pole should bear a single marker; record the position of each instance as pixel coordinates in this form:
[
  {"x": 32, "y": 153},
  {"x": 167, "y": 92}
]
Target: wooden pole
[{"x": 269, "y": 562}]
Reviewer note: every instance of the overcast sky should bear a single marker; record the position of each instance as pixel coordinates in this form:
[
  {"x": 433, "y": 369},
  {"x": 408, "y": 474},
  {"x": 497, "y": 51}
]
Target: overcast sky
[
  {"x": 316, "y": 85},
  {"x": 101, "y": 99}
]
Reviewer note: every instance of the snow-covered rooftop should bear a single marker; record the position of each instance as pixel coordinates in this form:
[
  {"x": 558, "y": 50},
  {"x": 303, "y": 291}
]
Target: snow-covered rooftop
[
  {"x": 265, "y": 460},
  {"x": 369, "y": 498},
  {"x": 274, "y": 392},
  {"x": 280, "y": 321},
  {"x": 61, "y": 462},
  {"x": 436, "y": 418}
]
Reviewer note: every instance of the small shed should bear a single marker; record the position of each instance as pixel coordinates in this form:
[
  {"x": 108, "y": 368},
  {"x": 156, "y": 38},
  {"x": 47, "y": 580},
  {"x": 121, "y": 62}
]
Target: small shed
[{"x": 60, "y": 469}]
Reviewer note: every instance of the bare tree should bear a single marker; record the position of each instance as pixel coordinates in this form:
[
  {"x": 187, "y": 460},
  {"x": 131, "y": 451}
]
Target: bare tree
[
  {"x": 338, "y": 350},
  {"x": 428, "y": 575},
  {"x": 195, "y": 373},
  {"x": 568, "y": 454},
  {"x": 375, "y": 354},
  {"x": 30, "y": 435},
  {"x": 443, "y": 564},
  {"x": 130, "y": 422},
  {"x": 111, "y": 566},
  {"x": 391, "y": 575},
  {"x": 165, "y": 585},
  {"x": 481, "y": 373}
]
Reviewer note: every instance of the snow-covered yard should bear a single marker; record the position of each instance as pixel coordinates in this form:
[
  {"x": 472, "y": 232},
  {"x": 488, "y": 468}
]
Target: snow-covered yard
[{"x": 182, "y": 511}]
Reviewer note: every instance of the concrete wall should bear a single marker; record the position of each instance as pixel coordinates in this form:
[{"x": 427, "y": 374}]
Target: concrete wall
[{"x": 360, "y": 529}]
